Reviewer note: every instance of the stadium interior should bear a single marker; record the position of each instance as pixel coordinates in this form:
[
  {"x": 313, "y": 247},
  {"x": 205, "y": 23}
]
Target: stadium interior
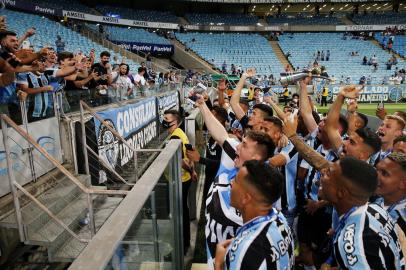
[{"x": 95, "y": 183}]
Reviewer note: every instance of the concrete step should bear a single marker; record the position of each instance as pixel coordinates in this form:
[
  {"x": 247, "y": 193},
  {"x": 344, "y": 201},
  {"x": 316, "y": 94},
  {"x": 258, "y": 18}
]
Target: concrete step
[
  {"x": 50, "y": 231},
  {"x": 280, "y": 54},
  {"x": 55, "y": 199},
  {"x": 66, "y": 248}
]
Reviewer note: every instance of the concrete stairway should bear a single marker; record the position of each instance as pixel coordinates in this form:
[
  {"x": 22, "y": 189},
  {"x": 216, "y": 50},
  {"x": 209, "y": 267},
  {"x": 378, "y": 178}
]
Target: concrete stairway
[
  {"x": 69, "y": 204},
  {"x": 347, "y": 21},
  {"x": 279, "y": 53},
  {"x": 189, "y": 59}
]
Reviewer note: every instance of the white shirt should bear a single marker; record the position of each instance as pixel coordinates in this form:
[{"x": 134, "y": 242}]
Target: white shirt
[{"x": 140, "y": 80}]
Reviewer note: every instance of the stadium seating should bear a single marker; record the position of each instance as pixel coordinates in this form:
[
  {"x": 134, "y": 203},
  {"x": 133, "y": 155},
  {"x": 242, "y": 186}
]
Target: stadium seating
[
  {"x": 139, "y": 14},
  {"x": 399, "y": 44},
  {"x": 315, "y": 20},
  {"x": 132, "y": 35},
  {"x": 380, "y": 18},
  {"x": 70, "y": 5},
  {"x": 47, "y": 31},
  {"x": 247, "y": 50},
  {"x": 221, "y": 19},
  {"x": 303, "y": 46}
]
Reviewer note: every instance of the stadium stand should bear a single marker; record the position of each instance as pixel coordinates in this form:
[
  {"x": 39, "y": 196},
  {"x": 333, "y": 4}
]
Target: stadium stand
[
  {"x": 303, "y": 47},
  {"x": 235, "y": 49},
  {"x": 301, "y": 20},
  {"x": 399, "y": 43},
  {"x": 131, "y": 35},
  {"x": 221, "y": 19},
  {"x": 380, "y": 18},
  {"x": 70, "y": 5},
  {"x": 139, "y": 14},
  {"x": 47, "y": 31}
]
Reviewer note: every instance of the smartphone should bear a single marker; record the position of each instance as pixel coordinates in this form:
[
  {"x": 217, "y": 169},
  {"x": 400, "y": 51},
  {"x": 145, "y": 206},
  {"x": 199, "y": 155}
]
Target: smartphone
[
  {"x": 381, "y": 105},
  {"x": 5, "y": 55},
  {"x": 189, "y": 147}
]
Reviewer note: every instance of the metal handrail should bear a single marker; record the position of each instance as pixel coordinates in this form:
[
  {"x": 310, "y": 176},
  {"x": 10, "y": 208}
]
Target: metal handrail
[
  {"x": 50, "y": 158},
  {"x": 46, "y": 210},
  {"x": 101, "y": 248}
]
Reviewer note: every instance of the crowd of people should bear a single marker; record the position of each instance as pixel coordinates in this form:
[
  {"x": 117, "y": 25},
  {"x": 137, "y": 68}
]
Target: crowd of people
[
  {"x": 290, "y": 189},
  {"x": 35, "y": 77}
]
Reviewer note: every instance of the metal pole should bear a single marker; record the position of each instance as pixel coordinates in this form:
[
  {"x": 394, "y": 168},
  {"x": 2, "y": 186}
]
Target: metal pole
[
  {"x": 29, "y": 149},
  {"x": 91, "y": 215},
  {"x": 84, "y": 143},
  {"x": 154, "y": 226},
  {"x": 11, "y": 179},
  {"x": 135, "y": 165}
]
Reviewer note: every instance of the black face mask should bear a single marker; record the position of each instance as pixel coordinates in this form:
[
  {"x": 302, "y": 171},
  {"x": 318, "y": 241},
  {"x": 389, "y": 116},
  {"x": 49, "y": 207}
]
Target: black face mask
[{"x": 166, "y": 124}]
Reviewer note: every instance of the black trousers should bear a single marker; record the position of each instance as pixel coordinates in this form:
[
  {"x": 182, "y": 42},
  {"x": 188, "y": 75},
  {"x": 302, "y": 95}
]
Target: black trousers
[
  {"x": 186, "y": 216},
  {"x": 323, "y": 101}
]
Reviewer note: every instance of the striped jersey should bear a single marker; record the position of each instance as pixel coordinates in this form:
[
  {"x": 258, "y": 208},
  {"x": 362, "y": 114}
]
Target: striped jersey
[
  {"x": 396, "y": 211},
  {"x": 262, "y": 244},
  {"x": 222, "y": 220},
  {"x": 289, "y": 170},
  {"x": 368, "y": 240}
]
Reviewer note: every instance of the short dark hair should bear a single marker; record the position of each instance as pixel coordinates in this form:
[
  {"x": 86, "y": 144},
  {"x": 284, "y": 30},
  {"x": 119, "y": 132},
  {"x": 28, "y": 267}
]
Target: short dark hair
[
  {"x": 360, "y": 174},
  {"x": 266, "y": 179},
  {"x": 141, "y": 69},
  {"x": 64, "y": 55},
  {"x": 399, "y": 158},
  {"x": 342, "y": 120},
  {"x": 274, "y": 120},
  {"x": 266, "y": 109},
  {"x": 176, "y": 114},
  {"x": 265, "y": 145},
  {"x": 128, "y": 67},
  {"x": 399, "y": 139},
  {"x": 221, "y": 112},
  {"x": 5, "y": 33},
  {"x": 363, "y": 117},
  {"x": 295, "y": 95},
  {"x": 104, "y": 53},
  {"x": 370, "y": 138}
]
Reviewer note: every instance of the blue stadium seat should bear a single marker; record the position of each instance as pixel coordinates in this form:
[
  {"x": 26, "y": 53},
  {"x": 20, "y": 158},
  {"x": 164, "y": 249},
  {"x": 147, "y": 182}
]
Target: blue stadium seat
[
  {"x": 139, "y": 14},
  {"x": 380, "y": 18},
  {"x": 301, "y": 20},
  {"x": 247, "y": 50},
  {"x": 303, "y": 46},
  {"x": 220, "y": 19}
]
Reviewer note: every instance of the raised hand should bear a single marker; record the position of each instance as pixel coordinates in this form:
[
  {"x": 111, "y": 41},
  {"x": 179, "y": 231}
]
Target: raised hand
[
  {"x": 250, "y": 72},
  {"x": 350, "y": 91}
]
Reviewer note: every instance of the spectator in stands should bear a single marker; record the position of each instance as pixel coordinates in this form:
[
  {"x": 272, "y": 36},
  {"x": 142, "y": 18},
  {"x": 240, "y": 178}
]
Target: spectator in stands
[
  {"x": 148, "y": 59},
  {"x": 171, "y": 121},
  {"x": 224, "y": 67},
  {"x": 328, "y": 55},
  {"x": 365, "y": 61},
  {"x": 140, "y": 81},
  {"x": 254, "y": 191},
  {"x": 103, "y": 70},
  {"x": 60, "y": 44},
  {"x": 233, "y": 70},
  {"x": 37, "y": 85},
  {"x": 322, "y": 55},
  {"x": 121, "y": 83}
]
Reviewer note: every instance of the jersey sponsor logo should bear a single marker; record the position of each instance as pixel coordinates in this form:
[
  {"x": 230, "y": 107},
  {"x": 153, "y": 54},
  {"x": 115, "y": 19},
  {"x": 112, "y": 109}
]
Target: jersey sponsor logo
[{"x": 349, "y": 247}]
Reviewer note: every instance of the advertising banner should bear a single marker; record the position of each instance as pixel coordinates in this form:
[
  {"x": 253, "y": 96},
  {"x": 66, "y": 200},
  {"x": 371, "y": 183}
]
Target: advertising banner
[
  {"x": 373, "y": 93},
  {"x": 169, "y": 101},
  {"x": 32, "y": 7},
  {"x": 46, "y": 134},
  {"x": 362, "y": 28},
  {"x": 136, "y": 123},
  {"x": 117, "y": 21},
  {"x": 154, "y": 49}
]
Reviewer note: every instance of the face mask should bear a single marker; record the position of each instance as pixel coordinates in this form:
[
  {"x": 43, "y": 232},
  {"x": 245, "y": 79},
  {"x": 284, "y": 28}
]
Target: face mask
[{"x": 166, "y": 124}]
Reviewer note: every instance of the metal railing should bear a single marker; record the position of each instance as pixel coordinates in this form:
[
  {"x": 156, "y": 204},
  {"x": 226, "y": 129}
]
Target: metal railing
[
  {"x": 89, "y": 191},
  {"x": 112, "y": 243}
]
